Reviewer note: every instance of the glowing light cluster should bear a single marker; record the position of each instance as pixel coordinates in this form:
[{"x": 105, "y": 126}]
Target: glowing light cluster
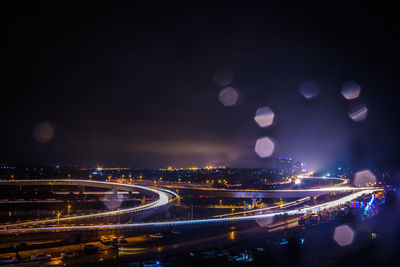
[
  {"x": 223, "y": 77},
  {"x": 44, "y": 132},
  {"x": 309, "y": 89},
  {"x": 228, "y": 96},
  {"x": 264, "y": 147},
  {"x": 343, "y": 235},
  {"x": 364, "y": 178},
  {"x": 358, "y": 112},
  {"x": 264, "y": 117},
  {"x": 351, "y": 90}
]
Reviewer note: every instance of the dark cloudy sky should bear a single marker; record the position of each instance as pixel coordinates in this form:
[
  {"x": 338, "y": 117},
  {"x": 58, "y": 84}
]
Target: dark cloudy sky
[{"x": 132, "y": 85}]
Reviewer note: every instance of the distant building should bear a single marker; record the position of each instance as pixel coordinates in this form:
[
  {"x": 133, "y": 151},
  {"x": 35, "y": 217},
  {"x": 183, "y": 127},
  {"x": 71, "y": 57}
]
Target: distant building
[
  {"x": 284, "y": 166},
  {"x": 297, "y": 167}
]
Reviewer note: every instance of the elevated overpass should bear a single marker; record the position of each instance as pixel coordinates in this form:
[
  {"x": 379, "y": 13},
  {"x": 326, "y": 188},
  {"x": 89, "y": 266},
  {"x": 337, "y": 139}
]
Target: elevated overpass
[
  {"x": 253, "y": 193},
  {"x": 199, "y": 190},
  {"x": 164, "y": 197},
  {"x": 168, "y": 225}
]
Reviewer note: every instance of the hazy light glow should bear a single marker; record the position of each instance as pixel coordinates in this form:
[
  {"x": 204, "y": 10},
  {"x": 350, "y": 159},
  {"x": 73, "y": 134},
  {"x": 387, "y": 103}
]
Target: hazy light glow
[
  {"x": 297, "y": 181},
  {"x": 264, "y": 221},
  {"x": 113, "y": 203},
  {"x": 343, "y": 235},
  {"x": 264, "y": 147},
  {"x": 223, "y": 77},
  {"x": 351, "y": 90},
  {"x": 309, "y": 89},
  {"x": 358, "y": 113},
  {"x": 364, "y": 178},
  {"x": 264, "y": 117},
  {"x": 228, "y": 96},
  {"x": 43, "y": 132}
]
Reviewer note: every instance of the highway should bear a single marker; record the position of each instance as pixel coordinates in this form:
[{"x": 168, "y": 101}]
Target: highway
[
  {"x": 255, "y": 193},
  {"x": 212, "y": 221},
  {"x": 164, "y": 197},
  {"x": 293, "y": 203}
]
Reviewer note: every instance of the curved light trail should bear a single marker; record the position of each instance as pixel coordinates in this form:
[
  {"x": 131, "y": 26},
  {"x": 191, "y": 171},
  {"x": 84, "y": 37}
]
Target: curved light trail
[
  {"x": 300, "y": 211},
  {"x": 163, "y": 199},
  {"x": 289, "y": 204}
]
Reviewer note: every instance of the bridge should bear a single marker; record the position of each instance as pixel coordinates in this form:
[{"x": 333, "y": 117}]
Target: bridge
[
  {"x": 164, "y": 197},
  {"x": 203, "y": 191},
  {"x": 167, "y": 225}
]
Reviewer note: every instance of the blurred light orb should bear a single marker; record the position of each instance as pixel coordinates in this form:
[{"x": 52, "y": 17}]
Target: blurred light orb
[
  {"x": 43, "y": 132},
  {"x": 309, "y": 89},
  {"x": 264, "y": 117},
  {"x": 264, "y": 147},
  {"x": 228, "y": 96},
  {"x": 364, "y": 178},
  {"x": 358, "y": 113},
  {"x": 112, "y": 203},
  {"x": 343, "y": 235},
  {"x": 264, "y": 221},
  {"x": 223, "y": 77},
  {"x": 351, "y": 90},
  {"x": 297, "y": 181}
]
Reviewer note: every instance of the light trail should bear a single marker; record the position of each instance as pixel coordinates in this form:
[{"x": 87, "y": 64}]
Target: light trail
[
  {"x": 300, "y": 211},
  {"x": 205, "y": 188},
  {"x": 296, "y": 202},
  {"x": 163, "y": 199},
  {"x": 344, "y": 181}
]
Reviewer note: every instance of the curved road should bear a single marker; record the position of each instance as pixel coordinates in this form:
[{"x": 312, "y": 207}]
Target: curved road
[
  {"x": 177, "y": 224},
  {"x": 164, "y": 197}
]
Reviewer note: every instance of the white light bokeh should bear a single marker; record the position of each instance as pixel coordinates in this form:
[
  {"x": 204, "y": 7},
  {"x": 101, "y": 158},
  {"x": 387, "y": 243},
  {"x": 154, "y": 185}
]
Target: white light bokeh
[
  {"x": 43, "y": 132},
  {"x": 343, "y": 235},
  {"x": 358, "y": 112},
  {"x": 264, "y": 147},
  {"x": 309, "y": 89},
  {"x": 364, "y": 178},
  {"x": 351, "y": 90},
  {"x": 223, "y": 77},
  {"x": 297, "y": 181},
  {"x": 264, "y": 221},
  {"x": 264, "y": 117},
  {"x": 112, "y": 203},
  {"x": 228, "y": 96}
]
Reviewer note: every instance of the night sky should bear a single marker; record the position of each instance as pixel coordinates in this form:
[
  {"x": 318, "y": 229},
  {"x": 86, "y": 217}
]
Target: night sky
[{"x": 134, "y": 86}]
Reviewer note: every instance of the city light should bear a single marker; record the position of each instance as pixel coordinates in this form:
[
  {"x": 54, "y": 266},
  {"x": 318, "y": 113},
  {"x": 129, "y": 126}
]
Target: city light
[{"x": 201, "y": 134}]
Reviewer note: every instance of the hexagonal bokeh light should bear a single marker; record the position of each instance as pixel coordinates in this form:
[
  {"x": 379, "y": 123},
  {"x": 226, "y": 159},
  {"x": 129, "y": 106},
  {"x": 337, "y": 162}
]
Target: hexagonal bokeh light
[
  {"x": 112, "y": 203},
  {"x": 309, "y": 89},
  {"x": 223, "y": 77},
  {"x": 264, "y": 117},
  {"x": 43, "y": 132},
  {"x": 351, "y": 90},
  {"x": 364, "y": 178},
  {"x": 343, "y": 235},
  {"x": 228, "y": 96},
  {"x": 264, "y": 221},
  {"x": 264, "y": 147},
  {"x": 358, "y": 112}
]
